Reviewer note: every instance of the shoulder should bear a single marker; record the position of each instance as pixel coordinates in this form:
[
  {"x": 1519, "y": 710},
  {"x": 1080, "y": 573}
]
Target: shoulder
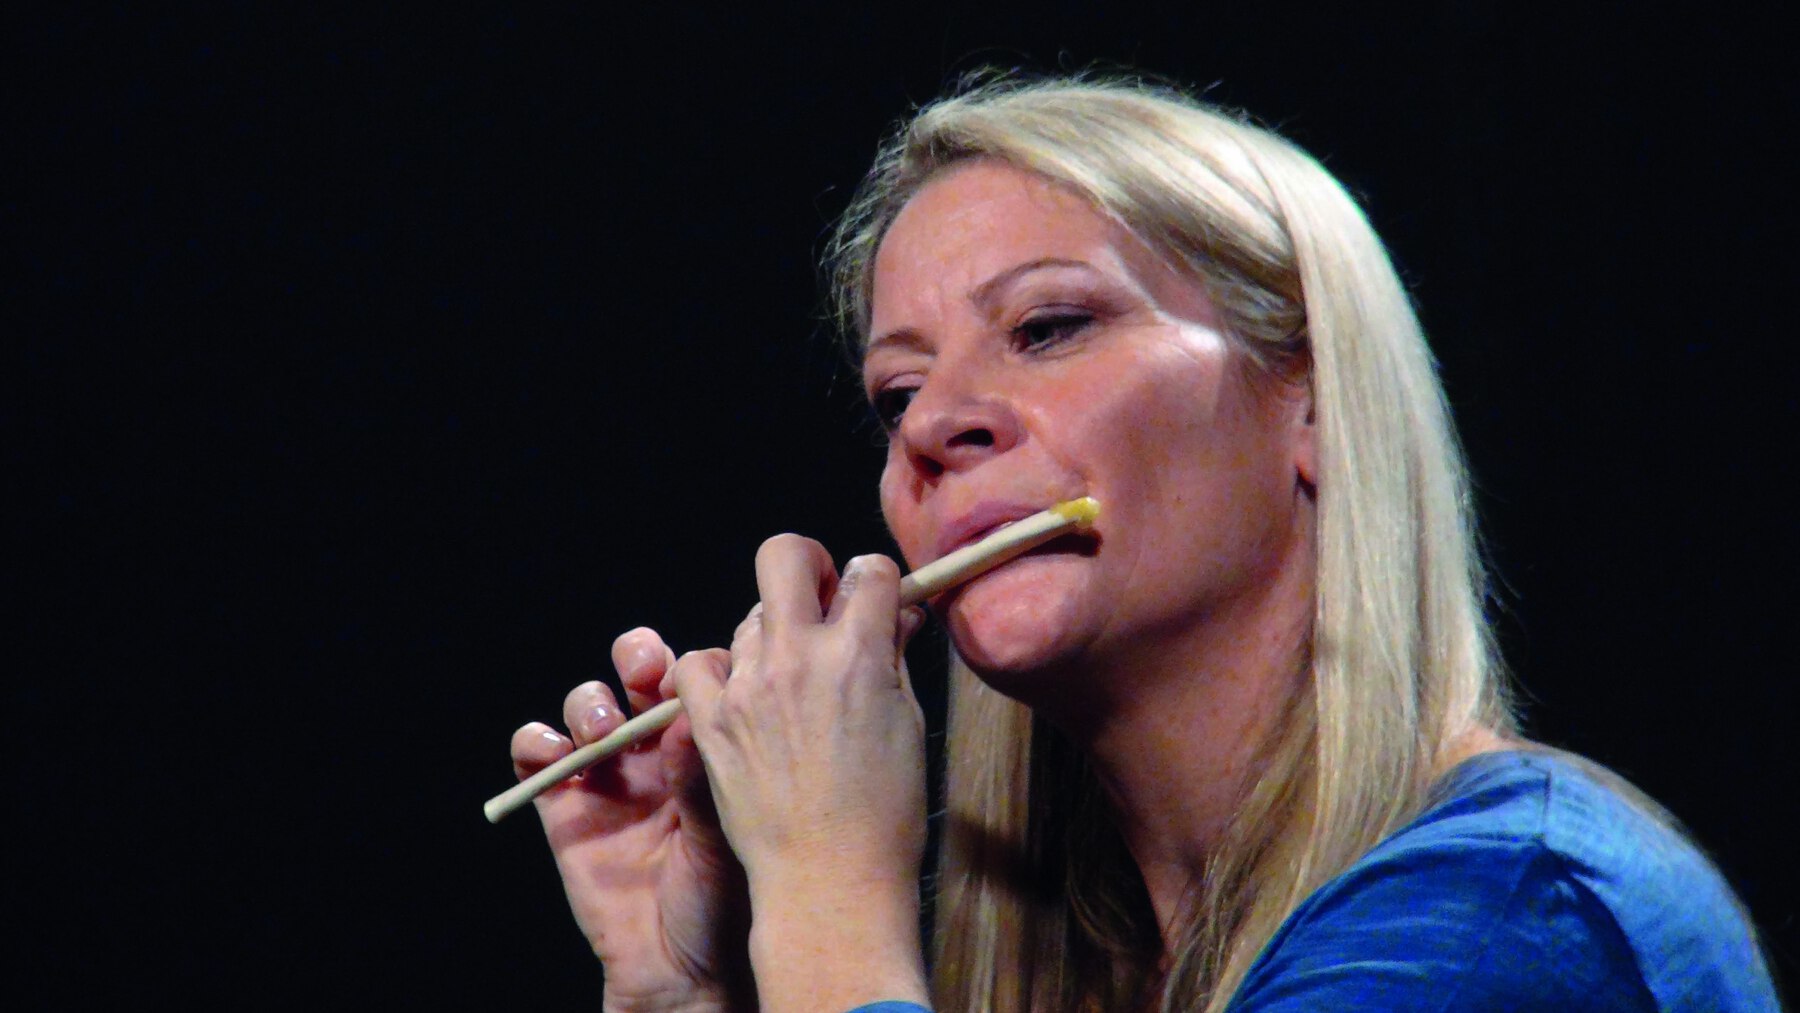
[{"x": 1528, "y": 884}]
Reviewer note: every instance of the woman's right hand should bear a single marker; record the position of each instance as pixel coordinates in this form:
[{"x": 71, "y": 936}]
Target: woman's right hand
[{"x": 651, "y": 880}]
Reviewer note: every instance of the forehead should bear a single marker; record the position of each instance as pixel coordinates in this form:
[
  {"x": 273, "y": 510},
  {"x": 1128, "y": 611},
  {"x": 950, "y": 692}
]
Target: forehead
[
  {"x": 982, "y": 217},
  {"x": 979, "y": 218},
  {"x": 986, "y": 194}
]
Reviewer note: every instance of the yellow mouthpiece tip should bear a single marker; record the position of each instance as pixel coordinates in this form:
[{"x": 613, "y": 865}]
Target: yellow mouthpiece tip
[{"x": 1082, "y": 511}]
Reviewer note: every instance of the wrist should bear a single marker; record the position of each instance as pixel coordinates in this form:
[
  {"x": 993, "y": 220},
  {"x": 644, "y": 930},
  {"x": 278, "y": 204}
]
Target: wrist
[
  {"x": 817, "y": 946},
  {"x": 735, "y": 993},
  {"x": 720, "y": 1000}
]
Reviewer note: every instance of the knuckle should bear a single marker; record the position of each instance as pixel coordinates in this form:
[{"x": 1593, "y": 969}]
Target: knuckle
[
  {"x": 535, "y": 741},
  {"x": 777, "y": 672},
  {"x": 780, "y": 545},
  {"x": 635, "y": 650},
  {"x": 847, "y": 656},
  {"x": 631, "y": 637},
  {"x": 876, "y": 567},
  {"x": 784, "y": 652},
  {"x": 580, "y": 695},
  {"x": 697, "y": 661},
  {"x": 736, "y": 708},
  {"x": 790, "y": 549}
]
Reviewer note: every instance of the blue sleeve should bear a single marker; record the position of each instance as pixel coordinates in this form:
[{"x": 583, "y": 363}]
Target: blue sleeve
[
  {"x": 1532, "y": 885},
  {"x": 1496, "y": 924},
  {"x": 891, "y": 1006}
]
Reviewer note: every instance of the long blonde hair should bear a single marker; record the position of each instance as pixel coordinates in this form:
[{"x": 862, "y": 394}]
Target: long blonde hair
[{"x": 1039, "y": 905}]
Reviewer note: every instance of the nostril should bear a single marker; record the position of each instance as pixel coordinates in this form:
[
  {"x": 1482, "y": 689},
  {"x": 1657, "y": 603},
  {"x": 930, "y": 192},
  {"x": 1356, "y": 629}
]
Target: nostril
[{"x": 973, "y": 438}]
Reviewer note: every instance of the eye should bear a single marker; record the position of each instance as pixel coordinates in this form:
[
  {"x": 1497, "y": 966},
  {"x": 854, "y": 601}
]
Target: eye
[
  {"x": 1050, "y": 327},
  {"x": 890, "y": 404}
]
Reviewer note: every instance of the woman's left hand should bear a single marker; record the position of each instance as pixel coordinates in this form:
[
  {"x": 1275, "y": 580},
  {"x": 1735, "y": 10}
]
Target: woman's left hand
[{"x": 814, "y": 750}]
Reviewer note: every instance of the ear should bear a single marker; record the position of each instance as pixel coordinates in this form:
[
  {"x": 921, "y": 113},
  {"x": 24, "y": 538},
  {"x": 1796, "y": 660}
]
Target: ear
[{"x": 1305, "y": 439}]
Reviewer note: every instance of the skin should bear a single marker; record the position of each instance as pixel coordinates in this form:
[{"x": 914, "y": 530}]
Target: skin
[
  {"x": 1026, "y": 350},
  {"x": 809, "y": 809},
  {"x": 649, "y": 876},
  {"x": 1041, "y": 352}
]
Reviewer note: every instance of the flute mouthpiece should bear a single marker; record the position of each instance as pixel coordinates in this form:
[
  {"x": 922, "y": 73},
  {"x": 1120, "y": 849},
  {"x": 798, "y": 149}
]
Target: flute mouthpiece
[{"x": 1082, "y": 511}]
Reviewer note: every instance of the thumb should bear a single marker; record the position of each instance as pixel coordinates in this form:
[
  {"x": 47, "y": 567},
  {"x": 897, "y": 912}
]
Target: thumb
[
  {"x": 912, "y": 619},
  {"x": 697, "y": 678},
  {"x": 684, "y": 772}
]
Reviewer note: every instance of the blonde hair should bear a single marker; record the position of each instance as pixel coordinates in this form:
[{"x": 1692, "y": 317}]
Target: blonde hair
[{"x": 1039, "y": 905}]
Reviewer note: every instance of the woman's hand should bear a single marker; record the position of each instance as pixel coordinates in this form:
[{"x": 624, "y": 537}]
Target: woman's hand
[
  {"x": 814, "y": 751},
  {"x": 648, "y": 873}
]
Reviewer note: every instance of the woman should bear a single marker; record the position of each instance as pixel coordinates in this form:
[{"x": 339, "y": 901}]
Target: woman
[{"x": 1245, "y": 746}]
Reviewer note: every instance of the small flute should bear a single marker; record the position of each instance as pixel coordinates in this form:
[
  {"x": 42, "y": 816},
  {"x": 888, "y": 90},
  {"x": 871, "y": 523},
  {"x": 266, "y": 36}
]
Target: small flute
[{"x": 935, "y": 577}]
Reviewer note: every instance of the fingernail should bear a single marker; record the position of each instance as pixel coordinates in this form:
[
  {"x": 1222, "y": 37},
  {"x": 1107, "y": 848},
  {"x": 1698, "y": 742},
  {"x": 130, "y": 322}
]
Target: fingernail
[
  {"x": 910, "y": 621},
  {"x": 599, "y": 715}
]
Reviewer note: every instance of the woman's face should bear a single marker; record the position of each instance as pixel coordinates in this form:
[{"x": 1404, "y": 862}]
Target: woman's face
[{"x": 1024, "y": 349}]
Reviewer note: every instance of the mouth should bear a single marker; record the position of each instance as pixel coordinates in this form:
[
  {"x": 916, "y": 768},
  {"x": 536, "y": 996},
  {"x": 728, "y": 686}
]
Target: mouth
[
  {"x": 1072, "y": 544},
  {"x": 979, "y": 523},
  {"x": 987, "y": 519},
  {"x": 975, "y": 536}
]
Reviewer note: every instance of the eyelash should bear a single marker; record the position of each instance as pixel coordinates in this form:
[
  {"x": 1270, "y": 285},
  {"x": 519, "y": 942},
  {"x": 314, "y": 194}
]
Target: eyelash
[
  {"x": 890, "y": 404},
  {"x": 1062, "y": 325}
]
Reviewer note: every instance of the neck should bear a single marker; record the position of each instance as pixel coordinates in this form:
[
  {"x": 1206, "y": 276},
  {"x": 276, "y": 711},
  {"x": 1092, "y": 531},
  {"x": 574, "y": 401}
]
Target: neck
[{"x": 1175, "y": 744}]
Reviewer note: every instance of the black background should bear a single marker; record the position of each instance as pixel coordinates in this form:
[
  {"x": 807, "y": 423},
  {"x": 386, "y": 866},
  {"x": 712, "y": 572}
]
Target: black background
[{"x": 370, "y": 371}]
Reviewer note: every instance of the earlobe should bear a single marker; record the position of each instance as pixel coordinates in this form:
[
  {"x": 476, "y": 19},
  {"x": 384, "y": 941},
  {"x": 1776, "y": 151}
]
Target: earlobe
[{"x": 1306, "y": 444}]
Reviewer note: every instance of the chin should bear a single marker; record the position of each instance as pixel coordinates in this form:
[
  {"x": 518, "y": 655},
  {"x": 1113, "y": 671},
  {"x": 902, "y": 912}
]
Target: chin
[{"x": 1009, "y": 625}]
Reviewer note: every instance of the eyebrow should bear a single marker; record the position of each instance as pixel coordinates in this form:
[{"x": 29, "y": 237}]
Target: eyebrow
[{"x": 982, "y": 295}]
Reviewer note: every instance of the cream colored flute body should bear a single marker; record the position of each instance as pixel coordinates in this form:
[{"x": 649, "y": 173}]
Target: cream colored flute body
[{"x": 933, "y": 578}]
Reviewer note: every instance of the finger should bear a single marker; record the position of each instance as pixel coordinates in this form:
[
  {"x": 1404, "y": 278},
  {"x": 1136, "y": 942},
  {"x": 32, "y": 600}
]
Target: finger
[
  {"x": 699, "y": 679},
  {"x": 746, "y": 641},
  {"x": 906, "y": 688},
  {"x": 795, "y": 577},
  {"x": 536, "y": 746},
  {"x": 591, "y": 712},
  {"x": 641, "y": 659},
  {"x": 912, "y": 620},
  {"x": 868, "y": 600},
  {"x": 684, "y": 771}
]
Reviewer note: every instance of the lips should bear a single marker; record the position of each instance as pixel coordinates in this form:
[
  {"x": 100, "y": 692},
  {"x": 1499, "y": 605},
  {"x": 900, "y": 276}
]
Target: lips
[{"x": 980, "y": 522}]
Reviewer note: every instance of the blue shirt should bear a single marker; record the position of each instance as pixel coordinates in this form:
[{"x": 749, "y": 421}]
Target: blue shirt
[{"x": 1531, "y": 886}]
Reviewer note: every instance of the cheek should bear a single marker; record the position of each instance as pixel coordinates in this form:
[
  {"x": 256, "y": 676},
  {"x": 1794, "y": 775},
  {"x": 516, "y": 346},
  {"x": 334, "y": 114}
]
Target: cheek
[
  {"x": 1137, "y": 440},
  {"x": 901, "y": 512},
  {"x": 1173, "y": 465}
]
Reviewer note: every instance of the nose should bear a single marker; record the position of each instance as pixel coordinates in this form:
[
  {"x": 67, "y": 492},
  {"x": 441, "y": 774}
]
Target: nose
[{"x": 956, "y": 421}]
